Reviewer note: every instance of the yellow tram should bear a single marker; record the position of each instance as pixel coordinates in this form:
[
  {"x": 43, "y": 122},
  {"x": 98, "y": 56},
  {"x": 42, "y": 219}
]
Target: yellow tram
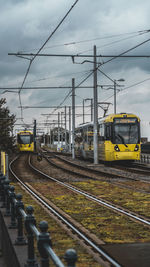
[
  {"x": 25, "y": 141},
  {"x": 118, "y": 138}
]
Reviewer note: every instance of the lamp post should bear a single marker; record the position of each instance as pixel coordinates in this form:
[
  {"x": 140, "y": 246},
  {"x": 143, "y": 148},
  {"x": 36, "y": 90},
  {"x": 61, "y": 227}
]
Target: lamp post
[{"x": 115, "y": 85}]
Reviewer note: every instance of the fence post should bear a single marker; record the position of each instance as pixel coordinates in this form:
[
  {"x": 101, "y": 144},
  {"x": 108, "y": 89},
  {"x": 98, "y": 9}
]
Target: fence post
[
  {"x": 19, "y": 205},
  {"x": 43, "y": 239},
  {"x": 6, "y": 188},
  {"x": 3, "y": 192},
  {"x": 30, "y": 220},
  {"x": 2, "y": 178},
  {"x": 70, "y": 257},
  {"x": 12, "y": 196},
  {"x": 142, "y": 158}
]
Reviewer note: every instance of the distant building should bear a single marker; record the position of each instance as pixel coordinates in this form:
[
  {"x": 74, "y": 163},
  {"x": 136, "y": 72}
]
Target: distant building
[{"x": 144, "y": 140}]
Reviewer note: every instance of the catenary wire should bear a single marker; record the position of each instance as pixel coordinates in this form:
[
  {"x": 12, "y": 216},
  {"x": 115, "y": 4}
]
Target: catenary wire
[
  {"x": 132, "y": 48},
  {"x": 28, "y": 69},
  {"x": 92, "y": 39}
]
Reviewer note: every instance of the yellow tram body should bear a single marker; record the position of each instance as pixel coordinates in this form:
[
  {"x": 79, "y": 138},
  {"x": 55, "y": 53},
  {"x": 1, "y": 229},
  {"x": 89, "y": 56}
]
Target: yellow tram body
[
  {"x": 118, "y": 138},
  {"x": 25, "y": 142}
]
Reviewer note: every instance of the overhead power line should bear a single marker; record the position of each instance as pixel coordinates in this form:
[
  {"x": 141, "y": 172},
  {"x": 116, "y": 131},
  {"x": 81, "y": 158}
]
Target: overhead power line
[
  {"x": 78, "y": 55},
  {"x": 28, "y": 69},
  {"x": 100, "y": 64},
  {"x": 26, "y": 107},
  {"x": 55, "y": 29},
  {"x": 122, "y": 54},
  {"x": 136, "y": 33},
  {"x": 41, "y": 87},
  {"x": 130, "y": 86},
  {"x": 127, "y": 51}
]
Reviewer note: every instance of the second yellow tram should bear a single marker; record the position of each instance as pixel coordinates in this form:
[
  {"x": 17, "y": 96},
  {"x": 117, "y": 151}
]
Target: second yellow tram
[
  {"x": 118, "y": 138},
  {"x": 25, "y": 142}
]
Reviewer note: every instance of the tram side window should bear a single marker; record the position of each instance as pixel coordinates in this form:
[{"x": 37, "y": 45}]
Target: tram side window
[
  {"x": 101, "y": 132},
  {"x": 90, "y": 135},
  {"x": 107, "y": 132},
  {"x": 79, "y": 136},
  {"x": 85, "y": 134},
  {"x": 82, "y": 135},
  {"x": 31, "y": 138}
]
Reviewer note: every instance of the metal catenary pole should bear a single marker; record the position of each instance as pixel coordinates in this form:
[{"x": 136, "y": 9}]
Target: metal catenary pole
[
  {"x": 34, "y": 135},
  {"x": 58, "y": 128},
  {"x": 91, "y": 109},
  {"x": 65, "y": 129},
  {"x": 114, "y": 96},
  {"x": 83, "y": 111},
  {"x": 61, "y": 128},
  {"x": 73, "y": 118},
  {"x": 70, "y": 129},
  {"x": 95, "y": 109}
]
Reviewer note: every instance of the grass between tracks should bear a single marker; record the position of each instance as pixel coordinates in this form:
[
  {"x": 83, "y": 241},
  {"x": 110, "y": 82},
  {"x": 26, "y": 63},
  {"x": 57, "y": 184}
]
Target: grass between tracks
[
  {"x": 132, "y": 200},
  {"x": 60, "y": 240},
  {"x": 109, "y": 226}
]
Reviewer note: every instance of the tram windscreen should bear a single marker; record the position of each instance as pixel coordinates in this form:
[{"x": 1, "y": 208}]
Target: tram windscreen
[
  {"x": 127, "y": 133},
  {"x": 25, "y": 139}
]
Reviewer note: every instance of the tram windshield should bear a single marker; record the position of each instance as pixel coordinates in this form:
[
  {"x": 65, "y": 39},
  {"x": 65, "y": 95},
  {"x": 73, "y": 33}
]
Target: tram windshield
[
  {"x": 25, "y": 139},
  {"x": 126, "y": 133}
]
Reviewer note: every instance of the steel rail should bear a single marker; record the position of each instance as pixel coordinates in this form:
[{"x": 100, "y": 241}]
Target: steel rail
[
  {"x": 100, "y": 172},
  {"x": 89, "y": 242},
  {"x": 98, "y": 200}
]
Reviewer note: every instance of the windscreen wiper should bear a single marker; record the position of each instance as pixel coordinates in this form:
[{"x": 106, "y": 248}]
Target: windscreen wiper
[{"x": 121, "y": 137}]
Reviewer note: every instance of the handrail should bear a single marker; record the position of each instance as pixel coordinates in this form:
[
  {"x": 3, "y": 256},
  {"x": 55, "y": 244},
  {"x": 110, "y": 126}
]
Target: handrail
[{"x": 15, "y": 209}]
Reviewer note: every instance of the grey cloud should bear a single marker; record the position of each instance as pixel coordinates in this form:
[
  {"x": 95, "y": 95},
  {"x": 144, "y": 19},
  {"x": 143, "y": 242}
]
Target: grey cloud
[{"x": 25, "y": 25}]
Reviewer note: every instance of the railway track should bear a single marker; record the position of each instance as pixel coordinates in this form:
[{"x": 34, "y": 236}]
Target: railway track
[
  {"x": 99, "y": 201},
  {"x": 94, "y": 174},
  {"x": 137, "y": 168},
  {"x": 82, "y": 234},
  {"x": 134, "y": 168},
  {"x": 110, "y": 175}
]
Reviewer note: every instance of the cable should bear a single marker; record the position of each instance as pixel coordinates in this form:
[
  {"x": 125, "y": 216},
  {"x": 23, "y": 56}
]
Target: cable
[
  {"x": 134, "y": 47},
  {"x": 98, "y": 64},
  {"x": 31, "y": 60},
  {"x": 97, "y": 68},
  {"x": 93, "y": 39},
  {"x": 114, "y": 42},
  {"x": 55, "y": 29},
  {"x": 71, "y": 92},
  {"x": 106, "y": 75},
  {"x": 135, "y": 84}
]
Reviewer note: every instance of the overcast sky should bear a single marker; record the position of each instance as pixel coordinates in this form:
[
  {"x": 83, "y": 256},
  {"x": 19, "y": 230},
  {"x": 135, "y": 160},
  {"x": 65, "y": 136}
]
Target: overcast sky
[{"x": 113, "y": 26}]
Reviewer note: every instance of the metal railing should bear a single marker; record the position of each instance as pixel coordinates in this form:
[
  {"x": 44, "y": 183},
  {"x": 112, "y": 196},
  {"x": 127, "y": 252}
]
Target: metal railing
[
  {"x": 20, "y": 220},
  {"x": 145, "y": 158}
]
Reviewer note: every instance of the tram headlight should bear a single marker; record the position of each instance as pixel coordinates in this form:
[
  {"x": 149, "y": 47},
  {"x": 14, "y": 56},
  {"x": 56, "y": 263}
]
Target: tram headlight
[
  {"x": 116, "y": 148},
  {"x": 136, "y": 148}
]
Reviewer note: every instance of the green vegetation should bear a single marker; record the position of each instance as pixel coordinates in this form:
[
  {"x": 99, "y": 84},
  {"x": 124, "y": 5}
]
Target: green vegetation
[
  {"x": 109, "y": 226},
  {"x": 61, "y": 241},
  {"x": 6, "y": 127}
]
